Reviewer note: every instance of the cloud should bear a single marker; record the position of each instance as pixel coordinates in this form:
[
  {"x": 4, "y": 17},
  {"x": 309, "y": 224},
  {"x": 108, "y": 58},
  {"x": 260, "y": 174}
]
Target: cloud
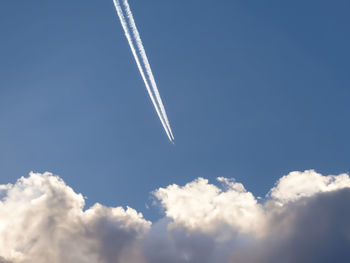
[
  {"x": 304, "y": 184},
  {"x": 200, "y": 206},
  {"x": 316, "y": 229},
  {"x": 305, "y": 218},
  {"x": 2, "y": 260},
  {"x": 42, "y": 220}
]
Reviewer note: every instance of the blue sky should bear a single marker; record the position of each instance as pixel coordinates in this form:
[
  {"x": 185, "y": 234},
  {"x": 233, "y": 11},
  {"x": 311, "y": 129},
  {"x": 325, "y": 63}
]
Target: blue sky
[{"x": 253, "y": 90}]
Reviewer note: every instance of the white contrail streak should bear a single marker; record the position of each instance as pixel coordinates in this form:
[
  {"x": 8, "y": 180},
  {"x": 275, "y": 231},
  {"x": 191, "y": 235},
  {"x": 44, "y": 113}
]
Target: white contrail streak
[
  {"x": 157, "y": 102},
  {"x": 131, "y": 44},
  {"x": 146, "y": 62}
]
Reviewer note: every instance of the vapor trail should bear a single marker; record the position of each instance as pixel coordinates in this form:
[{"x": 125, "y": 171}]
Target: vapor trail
[
  {"x": 158, "y": 105},
  {"x": 131, "y": 44},
  {"x": 146, "y": 62}
]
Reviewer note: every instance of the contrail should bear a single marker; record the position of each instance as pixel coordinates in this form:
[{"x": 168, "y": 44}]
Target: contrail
[
  {"x": 131, "y": 44},
  {"x": 155, "y": 98},
  {"x": 146, "y": 62}
]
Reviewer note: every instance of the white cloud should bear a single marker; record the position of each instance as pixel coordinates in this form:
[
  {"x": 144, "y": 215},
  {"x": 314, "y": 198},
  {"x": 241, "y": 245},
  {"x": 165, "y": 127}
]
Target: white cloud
[
  {"x": 205, "y": 207},
  {"x": 296, "y": 185},
  {"x": 42, "y": 220},
  {"x": 305, "y": 219}
]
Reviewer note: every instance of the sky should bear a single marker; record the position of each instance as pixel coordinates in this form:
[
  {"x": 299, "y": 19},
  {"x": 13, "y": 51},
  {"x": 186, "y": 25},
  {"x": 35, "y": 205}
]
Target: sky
[
  {"x": 257, "y": 96},
  {"x": 253, "y": 91}
]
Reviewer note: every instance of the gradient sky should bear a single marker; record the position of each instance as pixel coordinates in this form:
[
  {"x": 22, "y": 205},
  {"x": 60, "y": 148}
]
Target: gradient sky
[{"x": 253, "y": 90}]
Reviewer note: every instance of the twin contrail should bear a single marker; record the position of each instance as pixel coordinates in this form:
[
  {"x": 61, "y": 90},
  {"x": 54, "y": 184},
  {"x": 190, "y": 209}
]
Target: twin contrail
[{"x": 134, "y": 39}]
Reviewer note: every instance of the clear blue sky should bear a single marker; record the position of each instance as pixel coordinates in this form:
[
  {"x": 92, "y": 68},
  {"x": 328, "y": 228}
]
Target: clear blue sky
[{"x": 253, "y": 90}]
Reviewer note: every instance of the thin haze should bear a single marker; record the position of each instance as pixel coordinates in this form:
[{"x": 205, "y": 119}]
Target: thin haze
[{"x": 148, "y": 78}]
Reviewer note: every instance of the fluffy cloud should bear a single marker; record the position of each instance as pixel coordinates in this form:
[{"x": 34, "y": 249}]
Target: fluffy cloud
[
  {"x": 42, "y": 220},
  {"x": 200, "y": 206},
  {"x": 305, "y": 218},
  {"x": 315, "y": 229},
  {"x": 304, "y": 184}
]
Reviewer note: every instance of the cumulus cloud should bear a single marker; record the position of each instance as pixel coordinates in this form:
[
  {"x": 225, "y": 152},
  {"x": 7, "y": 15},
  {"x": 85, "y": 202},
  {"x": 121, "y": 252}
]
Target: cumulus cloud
[
  {"x": 42, "y": 220},
  {"x": 305, "y": 218},
  {"x": 204, "y": 207},
  {"x": 315, "y": 229},
  {"x": 304, "y": 184}
]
